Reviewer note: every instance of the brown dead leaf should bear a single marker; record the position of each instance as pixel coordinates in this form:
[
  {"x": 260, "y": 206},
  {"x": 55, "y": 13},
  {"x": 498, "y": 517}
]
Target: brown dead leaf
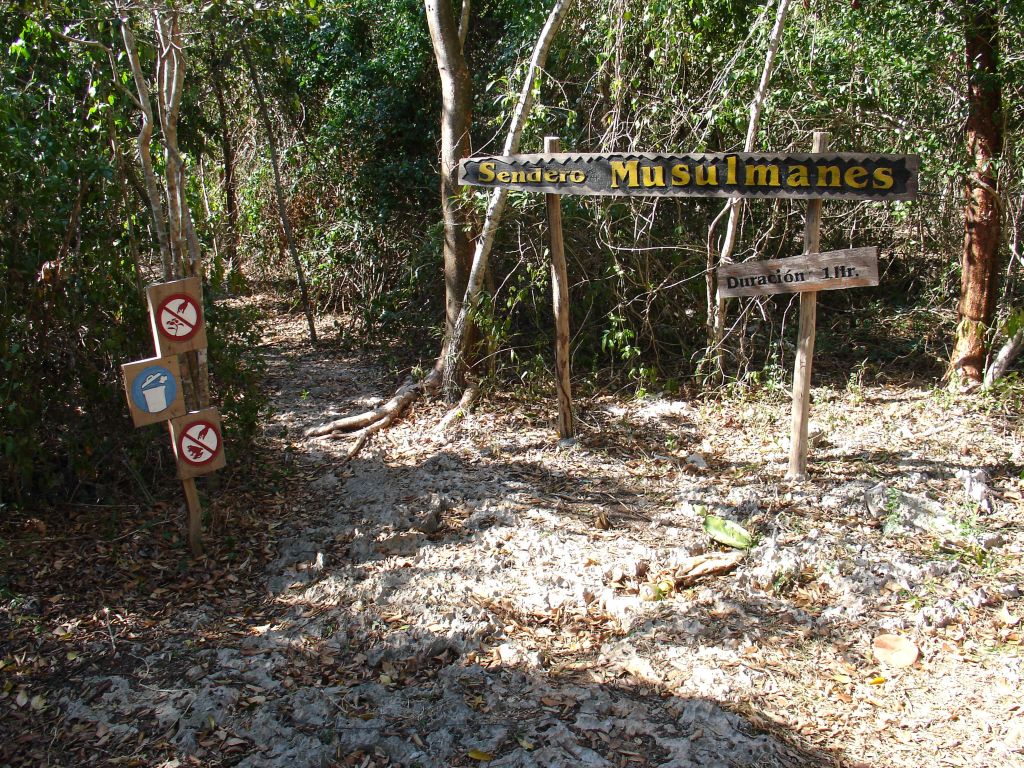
[{"x": 693, "y": 568}]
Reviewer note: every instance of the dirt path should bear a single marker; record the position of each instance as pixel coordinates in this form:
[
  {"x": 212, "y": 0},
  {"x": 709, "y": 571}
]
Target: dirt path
[{"x": 448, "y": 600}]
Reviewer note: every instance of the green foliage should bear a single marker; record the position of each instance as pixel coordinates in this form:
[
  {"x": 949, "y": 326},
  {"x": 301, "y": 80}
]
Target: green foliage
[
  {"x": 236, "y": 369},
  {"x": 74, "y": 253}
]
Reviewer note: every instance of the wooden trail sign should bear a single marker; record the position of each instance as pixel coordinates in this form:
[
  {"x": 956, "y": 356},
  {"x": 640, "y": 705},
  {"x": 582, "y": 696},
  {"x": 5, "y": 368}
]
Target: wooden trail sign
[
  {"x": 176, "y": 312},
  {"x": 840, "y": 176},
  {"x": 198, "y": 443},
  {"x": 853, "y": 268},
  {"x": 816, "y": 176},
  {"x": 154, "y": 390}
]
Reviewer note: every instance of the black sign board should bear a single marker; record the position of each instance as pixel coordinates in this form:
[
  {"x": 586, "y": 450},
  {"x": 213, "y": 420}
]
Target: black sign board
[{"x": 841, "y": 176}]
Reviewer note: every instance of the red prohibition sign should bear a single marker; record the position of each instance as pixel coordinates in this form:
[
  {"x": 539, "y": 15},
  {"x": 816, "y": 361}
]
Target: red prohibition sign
[
  {"x": 199, "y": 443},
  {"x": 178, "y": 317}
]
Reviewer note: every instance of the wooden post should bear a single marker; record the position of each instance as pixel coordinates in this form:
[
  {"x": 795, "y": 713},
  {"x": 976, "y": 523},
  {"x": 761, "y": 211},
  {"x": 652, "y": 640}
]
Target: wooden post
[
  {"x": 195, "y": 509},
  {"x": 560, "y": 299},
  {"x": 195, "y": 517},
  {"x": 805, "y": 340}
]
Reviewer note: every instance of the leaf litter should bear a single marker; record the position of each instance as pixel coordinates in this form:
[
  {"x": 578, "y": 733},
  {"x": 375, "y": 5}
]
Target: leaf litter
[{"x": 489, "y": 596}]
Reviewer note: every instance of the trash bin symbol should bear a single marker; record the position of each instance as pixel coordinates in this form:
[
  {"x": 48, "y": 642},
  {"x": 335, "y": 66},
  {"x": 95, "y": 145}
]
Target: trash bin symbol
[{"x": 154, "y": 389}]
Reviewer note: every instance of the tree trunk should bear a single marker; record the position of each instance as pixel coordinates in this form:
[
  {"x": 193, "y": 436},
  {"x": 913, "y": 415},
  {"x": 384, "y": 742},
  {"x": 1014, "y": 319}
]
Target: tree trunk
[
  {"x": 282, "y": 212},
  {"x": 455, "y": 121},
  {"x": 156, "y": 208},
  {"x": 980, "y": 259},
  {"x": 454, "y": 362},
  {"x": 228, "y": 151}
]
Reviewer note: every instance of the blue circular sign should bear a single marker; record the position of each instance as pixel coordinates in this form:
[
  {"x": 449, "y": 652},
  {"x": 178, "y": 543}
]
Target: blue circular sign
[{"x": 154, "y": 389}]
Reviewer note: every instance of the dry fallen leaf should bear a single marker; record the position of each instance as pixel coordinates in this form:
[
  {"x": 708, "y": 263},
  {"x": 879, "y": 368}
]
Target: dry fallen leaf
[
  {"x": 895, "y": 650},
  {"x": 479, "y": 754},
  {"x": 1006, "y": 618}
]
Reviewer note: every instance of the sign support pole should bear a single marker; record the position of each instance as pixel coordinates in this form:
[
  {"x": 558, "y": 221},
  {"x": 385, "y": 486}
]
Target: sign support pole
[
  {"x": 805, "y": 339},
  {"x": 195, "y": 517},
  {"x": 195, "y": 509},
  {"x": 560, "y": 300}
]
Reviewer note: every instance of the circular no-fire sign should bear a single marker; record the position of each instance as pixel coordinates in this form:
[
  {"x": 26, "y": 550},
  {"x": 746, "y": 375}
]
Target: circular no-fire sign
[
  {"x": 179, "y": 317},
  {"x": 199, "y": 444}
]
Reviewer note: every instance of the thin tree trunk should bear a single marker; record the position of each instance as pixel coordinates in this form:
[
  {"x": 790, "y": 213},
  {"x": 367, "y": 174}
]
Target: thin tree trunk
[
  {"x": 464, "y": 24},
  {"x": 282, "y": 212},
  {"x": 717, "y": 306},
  {"x": 170, "y": 83},
  {"x": 228, "y": 152},
  {"x": 455, "y": 120},
  {"x": 170, "y": 80},
  {"x": 144, "y": 104},
  {"x": 980, "y": 260},
  {"x": 454, "y": 361}
]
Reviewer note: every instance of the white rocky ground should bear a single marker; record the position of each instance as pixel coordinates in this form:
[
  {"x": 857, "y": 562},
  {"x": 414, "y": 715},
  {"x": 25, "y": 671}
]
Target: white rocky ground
[{"x": 448, "y": 600}]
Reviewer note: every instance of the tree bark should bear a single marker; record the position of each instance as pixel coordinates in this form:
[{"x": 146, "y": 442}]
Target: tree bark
[
  {"x": 228, "y": 152},
  {"x": 980, "y": 259},
  {"x": 144, "y": 104},
  {"x": 454, "y": 362},
  {"x": 456, "y": 101},
  {"x": 282, "y": 211}
]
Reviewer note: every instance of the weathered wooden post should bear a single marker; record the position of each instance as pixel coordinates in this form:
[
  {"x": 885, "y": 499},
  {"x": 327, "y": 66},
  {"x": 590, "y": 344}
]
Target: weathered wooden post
[
  {"x": 560, "y": 300},
  {"x": 802, "y": 367}
]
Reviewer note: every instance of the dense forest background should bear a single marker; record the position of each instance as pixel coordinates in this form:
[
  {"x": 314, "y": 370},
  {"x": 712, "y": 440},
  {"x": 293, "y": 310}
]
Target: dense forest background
[{"x": 353, "y": 94}]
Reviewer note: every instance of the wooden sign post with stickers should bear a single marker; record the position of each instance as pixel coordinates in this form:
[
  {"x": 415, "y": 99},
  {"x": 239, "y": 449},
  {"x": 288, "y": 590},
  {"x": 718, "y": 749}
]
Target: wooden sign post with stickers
[
  {"x": 156, "y": 391},
  {"x": 817, "y": 176}
]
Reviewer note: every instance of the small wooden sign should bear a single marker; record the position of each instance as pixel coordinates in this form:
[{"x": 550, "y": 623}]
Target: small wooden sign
[
  {"x": 842, "y": 175},
  {"x": 853, "y": 268},
  {"x": 198, "y": 443},
  {"x": 154, "y": 390},
  {"x": 176, "y": 312}
]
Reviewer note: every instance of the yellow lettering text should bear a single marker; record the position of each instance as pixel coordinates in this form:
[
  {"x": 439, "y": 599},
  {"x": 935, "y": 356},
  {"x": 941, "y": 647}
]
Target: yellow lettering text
[
  {"x": 856, "y": 177},
  {"x": 654, "y": 175},
  {"x": 707, "y": 174},
  {"x": 486, "y": 172},
  {"x": 882, "y": 178},
  {"x": 624, "y": 172},
  {"x": 762, "y": 175},
  {"x": 828, "y": 176},
  {"x": 680, "y": 175},
  {"x": 798, "y": 176}
]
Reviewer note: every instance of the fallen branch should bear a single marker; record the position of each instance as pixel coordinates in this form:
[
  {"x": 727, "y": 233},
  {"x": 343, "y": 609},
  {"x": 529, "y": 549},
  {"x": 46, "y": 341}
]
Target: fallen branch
[
  {"x": 1004, "y": 359},
  {"x": 377, "y": 419}
]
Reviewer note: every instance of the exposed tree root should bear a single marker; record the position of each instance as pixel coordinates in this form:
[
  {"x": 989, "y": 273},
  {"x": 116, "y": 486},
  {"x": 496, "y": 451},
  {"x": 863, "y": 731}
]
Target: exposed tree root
[
  {"x": 371, "y": 422},
  {"x": 460, "y": 410}
]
